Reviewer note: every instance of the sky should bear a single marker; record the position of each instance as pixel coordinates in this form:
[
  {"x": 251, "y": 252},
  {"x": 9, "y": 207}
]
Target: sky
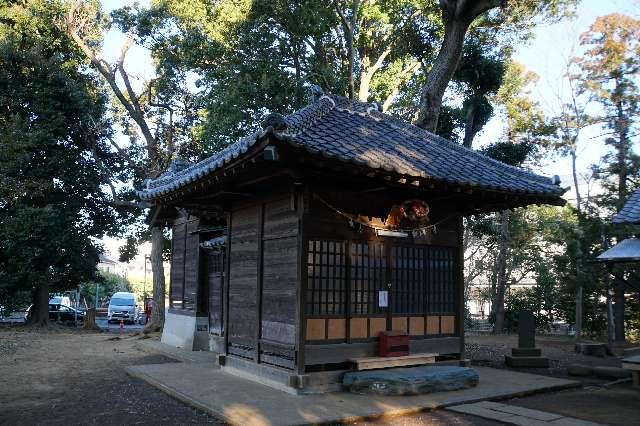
[{"x": 546, "y": 55}]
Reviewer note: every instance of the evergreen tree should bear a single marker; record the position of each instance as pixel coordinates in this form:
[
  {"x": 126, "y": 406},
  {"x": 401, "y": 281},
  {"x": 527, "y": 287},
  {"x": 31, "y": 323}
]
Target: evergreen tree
[
  {"x": 53, "y": 162},
  {"x": 607, "y": 74}
]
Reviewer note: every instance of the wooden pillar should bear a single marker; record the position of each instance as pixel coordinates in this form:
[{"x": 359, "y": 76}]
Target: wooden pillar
[
  {"x": 302, "y": 284},
  {"x": 259, "y": 276},
  {"x": 225, "y": 295},
  {"x": 460, "y": 285}
]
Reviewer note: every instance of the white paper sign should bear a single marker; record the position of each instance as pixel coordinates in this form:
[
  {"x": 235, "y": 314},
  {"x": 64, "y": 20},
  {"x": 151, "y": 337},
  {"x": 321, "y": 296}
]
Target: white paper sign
[{"x": 383, "y": 299}]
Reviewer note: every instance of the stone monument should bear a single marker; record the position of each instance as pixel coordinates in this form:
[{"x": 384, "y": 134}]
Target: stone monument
[{"x": 526, "y": 354}]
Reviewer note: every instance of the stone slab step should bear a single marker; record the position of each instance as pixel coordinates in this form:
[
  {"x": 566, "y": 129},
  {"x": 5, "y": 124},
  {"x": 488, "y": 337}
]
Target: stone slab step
[
  {"x": 515, "y": 415},
  {"x": 410, "y": 380},
  {"x": 391, "y": 362}
]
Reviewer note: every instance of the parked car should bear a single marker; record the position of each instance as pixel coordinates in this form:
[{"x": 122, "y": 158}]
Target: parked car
[
  {"x": 60, "y": 313},
  {"x": 122, "y": 306}
]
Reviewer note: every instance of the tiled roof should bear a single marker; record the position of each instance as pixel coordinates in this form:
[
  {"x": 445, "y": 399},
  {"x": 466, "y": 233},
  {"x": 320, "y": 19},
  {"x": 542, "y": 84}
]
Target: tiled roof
[
  {"x": 630, "y": 212},
  {"x": 355, "y": 132},
  {"x": 625, "y": 251}
]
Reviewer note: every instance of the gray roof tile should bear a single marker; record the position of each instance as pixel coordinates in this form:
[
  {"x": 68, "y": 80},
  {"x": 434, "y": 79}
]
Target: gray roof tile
[
  {"x": 630, "y": 212},
  {"x": 355, "y": 132}
]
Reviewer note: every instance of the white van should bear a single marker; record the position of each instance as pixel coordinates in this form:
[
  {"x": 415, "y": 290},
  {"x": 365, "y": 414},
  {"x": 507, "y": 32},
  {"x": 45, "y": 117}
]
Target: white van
[{"x": 122, "y": 306}]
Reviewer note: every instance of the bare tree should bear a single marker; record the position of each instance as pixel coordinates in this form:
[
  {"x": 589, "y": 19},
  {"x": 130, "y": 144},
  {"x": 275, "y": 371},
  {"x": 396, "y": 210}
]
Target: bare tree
[{"x": 80, "y": 25}]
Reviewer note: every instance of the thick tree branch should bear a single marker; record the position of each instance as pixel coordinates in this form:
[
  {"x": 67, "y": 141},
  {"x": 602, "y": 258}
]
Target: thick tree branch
[{"x": 404, "y": 75}]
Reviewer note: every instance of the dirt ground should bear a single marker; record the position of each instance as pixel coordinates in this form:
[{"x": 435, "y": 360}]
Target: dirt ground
[
  {"x": 62, "y": 376},
  {"x": 618, "y": 405},
  {"x": 489, "y": 350},
  {"x": 614, "y": 405}
]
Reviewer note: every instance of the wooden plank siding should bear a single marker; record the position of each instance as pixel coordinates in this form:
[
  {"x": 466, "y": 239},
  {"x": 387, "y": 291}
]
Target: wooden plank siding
[
  {"x": 279, "y": 282},
  {"x": 191, "y": 264},
  {"x": 346, "y": 267},
  {"x": 213, "y": 267},
  {"x": 176, "y": 283},
  {"x": 262, "y": 295},
  {"x": 185, "y": 261},
  {"x": 242, "y": 292}
]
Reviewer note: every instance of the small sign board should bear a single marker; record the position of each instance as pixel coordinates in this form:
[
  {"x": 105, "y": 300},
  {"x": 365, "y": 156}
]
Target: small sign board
[
  {"x": 387, "y": 233},
  {"x": 383, "y": 299}
]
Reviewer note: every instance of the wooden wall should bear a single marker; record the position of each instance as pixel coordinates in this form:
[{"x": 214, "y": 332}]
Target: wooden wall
[
  {"x": 366, "y": 262},
  {"x": 184, "y": 276},
  {"x": 279, "y": 282},
  {"x": 243, "y": 285},
  {"x": 263, "y": 281}
]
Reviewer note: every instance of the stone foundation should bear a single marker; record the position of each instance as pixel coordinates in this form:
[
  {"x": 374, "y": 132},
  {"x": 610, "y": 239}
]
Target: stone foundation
[{"x": 179, "y": 331}]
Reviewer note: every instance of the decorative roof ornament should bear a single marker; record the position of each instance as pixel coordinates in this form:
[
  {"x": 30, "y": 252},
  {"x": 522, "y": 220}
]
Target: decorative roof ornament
[
  {"x": 178, "y": 165},
  {"x": 374, "y": 106},
  {"x": 275, "y": 121},
  {"x": 175, "y": 167},
  {"x": 314, "y": 93}
]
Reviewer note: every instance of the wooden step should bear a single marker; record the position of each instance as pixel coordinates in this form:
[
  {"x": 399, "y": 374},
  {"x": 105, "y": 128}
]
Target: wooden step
[{"x": 393, "y": 361}]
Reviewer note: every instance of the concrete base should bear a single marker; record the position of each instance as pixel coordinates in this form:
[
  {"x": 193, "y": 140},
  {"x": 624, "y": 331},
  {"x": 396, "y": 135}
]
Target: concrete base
[
  {"x": 526, "y": 352},
  {"x": 592, "y": 349},
  {"x": 526, "y": 361},
  {"x": 239, "y": 401},
  {"x": 179, "y": 330}
]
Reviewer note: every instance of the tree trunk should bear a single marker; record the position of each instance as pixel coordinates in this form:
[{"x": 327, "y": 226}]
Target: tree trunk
[
  {"x": 574, "y": 172},
  {"x": 578, "y": 335},
  {"x": 610, "y": 318},
  {"x": 440, "y": 74},
  {"x": 619, "y": 312},
  {"x": 366, "y": 74},
  {"x": 157, "y": 314},
  {"x": 470, "y": 126},
  {"x": 40, "y": 309},
  {"x": 622, "y": 128},
  {"x": 501, "y": 285}
]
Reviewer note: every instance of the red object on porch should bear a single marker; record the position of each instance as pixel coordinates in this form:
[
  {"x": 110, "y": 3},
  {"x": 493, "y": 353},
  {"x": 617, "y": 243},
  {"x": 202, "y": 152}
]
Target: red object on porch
[{"x": 393, "y": 343}]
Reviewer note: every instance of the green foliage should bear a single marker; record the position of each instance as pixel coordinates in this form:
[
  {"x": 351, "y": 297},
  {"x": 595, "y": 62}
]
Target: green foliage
[
  {"x": 52, "y": 128},
  {"x": 107, "y": 283},
  {"x": 607, "y": 74},
  {"x": 249, "y": 58}
]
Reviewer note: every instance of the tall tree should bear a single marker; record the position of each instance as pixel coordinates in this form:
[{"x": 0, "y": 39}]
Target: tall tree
[
  {"x": 157, "y": 116},
  {"x": 607, "y": 73},
  {"x": 54, "y": 160},
  {"x": 457, "y": 17},
  {"x": 526, "y": 131}
]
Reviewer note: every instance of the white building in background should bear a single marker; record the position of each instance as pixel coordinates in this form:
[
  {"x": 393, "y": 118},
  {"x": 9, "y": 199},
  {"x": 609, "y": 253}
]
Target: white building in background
[
  {"x": 107, "y": 264},
  {"x": 479, "y": 297}
]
